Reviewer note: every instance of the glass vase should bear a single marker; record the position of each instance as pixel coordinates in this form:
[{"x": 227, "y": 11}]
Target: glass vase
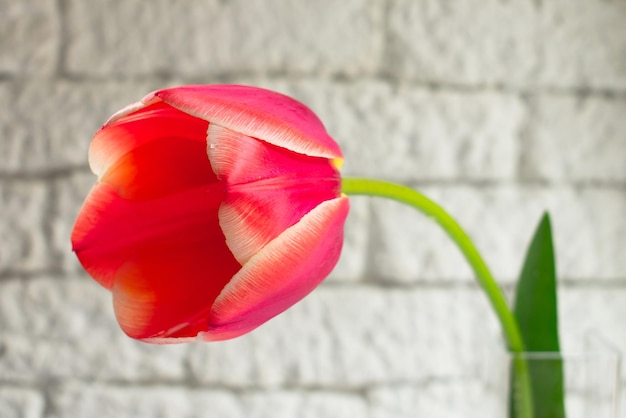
[{"x": 590, "y": 378}]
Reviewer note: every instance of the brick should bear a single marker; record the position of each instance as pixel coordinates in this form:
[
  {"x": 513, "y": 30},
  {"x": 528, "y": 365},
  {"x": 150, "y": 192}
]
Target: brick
[
  {"x": 91, "y": 400},
  {"x": 588, "y": 228},
  {"x": 29, "y": 37},
  {"x": 412, "y": 248},
  {"x": 69, "y": 192},
  {"x": 23, "y": 238},
  {"x": 307, "y": 404},
  {"x": 63, "y": 328},
  {"x": 107, "y": 401},
  {"x": 575, "y": 139},
  {"x": 340, "y": 336},
  {"x": 584, "y": 312},
  {"x": 353, "y": 262},
  {"x": 203, "y": 38},
  {"x": 48, "y": 125},
  {"x": 38, "y": 219},
  {"x": 475, "y": 399},
  {"x": 413, "y": 134},
  {"x": 457, "y": 43},
  {"x": 589, "y": 321},
  {"x": 557, "y": 43},
  {"x": 583, "y": 44},
  {"x": 20, "y": 403},
  {"x": 354, "y": 336},
  {"x": 446, "y": 399}
]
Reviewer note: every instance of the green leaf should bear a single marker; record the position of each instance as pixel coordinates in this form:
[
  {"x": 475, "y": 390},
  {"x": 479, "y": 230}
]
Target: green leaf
[{"x": 536, "y": 313}]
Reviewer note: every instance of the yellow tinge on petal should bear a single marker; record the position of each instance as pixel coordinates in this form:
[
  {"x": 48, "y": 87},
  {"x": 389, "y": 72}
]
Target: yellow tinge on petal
[{"x": 337, "y": 163}]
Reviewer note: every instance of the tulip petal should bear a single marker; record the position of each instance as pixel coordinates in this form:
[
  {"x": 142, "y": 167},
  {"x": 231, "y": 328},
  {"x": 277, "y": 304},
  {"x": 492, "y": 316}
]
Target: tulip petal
[
  {"x": 145, "y": 125},
  {"x": 256, "y": 112},
  {"x": 149, "y": 229},
  {"x": 167, "y": 291},
  {"x": 268, "y": 188},
  {"x": 164, "y": 259},
  {"x": 110, "y": 229},
  {"x": 155, "y": 179},
  {"x": 281, "y": 274}
]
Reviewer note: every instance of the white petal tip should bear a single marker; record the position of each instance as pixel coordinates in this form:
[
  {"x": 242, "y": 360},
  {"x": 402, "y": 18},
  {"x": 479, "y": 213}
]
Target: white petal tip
[{"x": 133, "y": 107}]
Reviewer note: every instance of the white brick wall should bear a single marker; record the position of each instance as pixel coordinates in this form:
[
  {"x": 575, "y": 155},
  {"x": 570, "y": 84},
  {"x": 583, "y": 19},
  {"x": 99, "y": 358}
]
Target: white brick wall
[
  {"x": 498, "y": 112},
  {"x": 203, "y": 38},
  {"x": 78, "y": 401},
  {"x": 550, "y": 44},
  {"x": 29, "y": 37},
  {"x": 21, "y": 403}
]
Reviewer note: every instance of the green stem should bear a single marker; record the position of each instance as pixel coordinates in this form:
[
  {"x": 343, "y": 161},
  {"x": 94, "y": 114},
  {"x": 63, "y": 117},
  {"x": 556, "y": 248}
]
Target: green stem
[{"x": 408, "y": 196}]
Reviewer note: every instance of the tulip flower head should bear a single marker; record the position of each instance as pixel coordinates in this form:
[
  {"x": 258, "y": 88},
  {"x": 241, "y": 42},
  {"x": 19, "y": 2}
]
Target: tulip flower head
[{"x": 216, "y": 208}]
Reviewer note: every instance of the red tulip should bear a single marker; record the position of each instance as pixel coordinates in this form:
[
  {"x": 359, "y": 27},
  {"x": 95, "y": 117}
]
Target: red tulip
[{"x": 216, "y": 208}]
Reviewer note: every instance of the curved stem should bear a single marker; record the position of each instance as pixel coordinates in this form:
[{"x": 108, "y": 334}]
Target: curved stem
[{"x": 510, "y": 328}]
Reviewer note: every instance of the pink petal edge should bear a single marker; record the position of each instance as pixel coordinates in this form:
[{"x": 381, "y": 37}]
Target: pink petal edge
[
  {"x": 281, "y": 274},
  {"x": 133, "y": 107},
  {"x": 268, "y": 188},
  {"x": 256, "y": 112},
  {"x": 122, "y": 134}
]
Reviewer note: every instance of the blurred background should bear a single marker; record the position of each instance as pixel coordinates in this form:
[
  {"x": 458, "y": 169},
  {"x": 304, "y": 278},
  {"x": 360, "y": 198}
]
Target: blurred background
[{"x": 498, "y": 110}]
